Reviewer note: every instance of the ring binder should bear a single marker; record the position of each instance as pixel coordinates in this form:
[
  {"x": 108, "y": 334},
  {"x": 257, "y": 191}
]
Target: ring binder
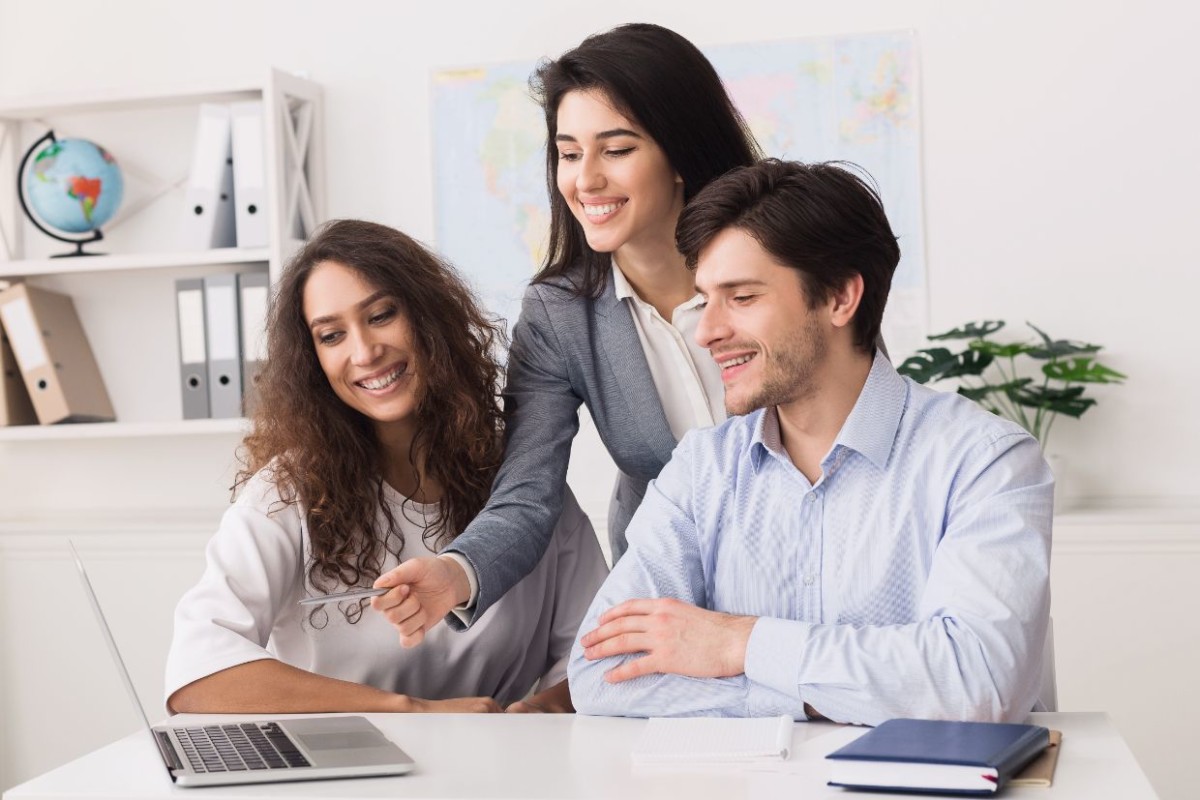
[
  {"x": 221, "y": 325},
  {"x": 254, "y": 296},
  {"x": 56, "y": 361},
  {"x": 193, "y": 349},
  {"x": 210, "y": 217},
  {"x": 249, "y": 173}
]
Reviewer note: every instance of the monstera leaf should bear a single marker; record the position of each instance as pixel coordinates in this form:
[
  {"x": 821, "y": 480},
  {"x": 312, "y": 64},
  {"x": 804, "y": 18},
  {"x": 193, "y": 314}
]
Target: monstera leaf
[
  {"x": 936, "y": 363},
  {"x": 1068, "y": 366},
  {"x": 1067, "y": 401},
  {"x": 998, "y": 350},
  {"x": 1081, "y": 370},
  {"x": 978, "y": 393},
  {"x": 1058, "y": 348},
  {"x": 926, "y": 365},
  {"x": 972, "y": 330}
]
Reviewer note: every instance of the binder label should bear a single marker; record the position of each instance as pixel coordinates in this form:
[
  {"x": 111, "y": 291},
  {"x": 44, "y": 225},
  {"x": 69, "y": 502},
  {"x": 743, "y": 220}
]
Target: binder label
[
  {"x": 23, "y": 334},
  {"x": 223, "y": 337},
  {"x": 191, "y": 327},
  {"x": 254, "y": 315}
]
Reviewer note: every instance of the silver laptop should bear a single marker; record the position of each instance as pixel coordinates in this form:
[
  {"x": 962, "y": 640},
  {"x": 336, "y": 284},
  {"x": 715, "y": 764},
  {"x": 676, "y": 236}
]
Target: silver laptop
[{"x": 245, "y": 751}]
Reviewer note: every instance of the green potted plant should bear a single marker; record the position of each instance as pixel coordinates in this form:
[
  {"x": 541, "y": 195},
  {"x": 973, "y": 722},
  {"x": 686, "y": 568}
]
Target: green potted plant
[{"x": 996, "y": 375}]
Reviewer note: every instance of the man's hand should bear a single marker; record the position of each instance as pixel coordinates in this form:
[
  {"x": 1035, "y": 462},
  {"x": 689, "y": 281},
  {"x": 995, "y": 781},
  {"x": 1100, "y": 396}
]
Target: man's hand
[
  {"x": 423, "y": 590},
  {"x": 677, "y": 638}
]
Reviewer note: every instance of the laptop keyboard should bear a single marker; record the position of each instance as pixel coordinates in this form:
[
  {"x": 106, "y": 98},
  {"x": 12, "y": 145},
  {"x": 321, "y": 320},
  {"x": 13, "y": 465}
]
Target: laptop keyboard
[{"x": 237, "y": 748}]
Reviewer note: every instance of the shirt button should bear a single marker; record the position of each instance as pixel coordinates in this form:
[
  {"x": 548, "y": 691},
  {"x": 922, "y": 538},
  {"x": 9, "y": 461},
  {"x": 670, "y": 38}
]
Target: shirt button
[
  {"x": 812, "y": 497},
  {"x": 808, "y": 580}
]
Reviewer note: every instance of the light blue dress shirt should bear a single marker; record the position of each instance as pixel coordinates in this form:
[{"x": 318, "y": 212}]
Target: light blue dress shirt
[{"x": 911, "y": 580}]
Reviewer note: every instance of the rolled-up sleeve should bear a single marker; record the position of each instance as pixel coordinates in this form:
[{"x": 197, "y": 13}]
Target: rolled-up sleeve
[{"x": 252, "y": 571}]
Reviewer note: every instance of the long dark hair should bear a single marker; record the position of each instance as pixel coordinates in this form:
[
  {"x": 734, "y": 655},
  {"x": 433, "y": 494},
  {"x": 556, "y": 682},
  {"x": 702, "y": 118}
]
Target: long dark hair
[
  {"x": 320, "y": 452},
  {"x": 663, "y": 82}
]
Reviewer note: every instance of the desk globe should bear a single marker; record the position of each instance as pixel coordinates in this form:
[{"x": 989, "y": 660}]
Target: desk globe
[{"x": 73, "y": 186}]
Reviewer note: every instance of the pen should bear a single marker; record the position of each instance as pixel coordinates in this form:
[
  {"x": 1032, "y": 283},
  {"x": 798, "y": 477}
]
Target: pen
[{"x": 353, "y": 594}]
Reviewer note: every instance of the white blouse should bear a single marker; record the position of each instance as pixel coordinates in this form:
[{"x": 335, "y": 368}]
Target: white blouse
[
  {"x": 685, "y": 376},
  {"x": 245, "y": 608}
]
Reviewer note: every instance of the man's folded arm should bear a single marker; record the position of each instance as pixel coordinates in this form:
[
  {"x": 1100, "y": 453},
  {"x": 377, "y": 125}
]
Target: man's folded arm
[
  {"x": 663, "y": 560},
  {"x": 975, "y": 651},
  {"x": 658, "y": 694}
]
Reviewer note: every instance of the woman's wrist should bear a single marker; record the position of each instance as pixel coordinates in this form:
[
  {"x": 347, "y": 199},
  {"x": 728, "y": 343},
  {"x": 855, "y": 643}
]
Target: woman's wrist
[{"x": 403, "y": 704}]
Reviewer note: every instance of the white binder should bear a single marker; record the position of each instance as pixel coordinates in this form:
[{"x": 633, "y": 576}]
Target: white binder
[
  {"x": 222, "y": 334},
  {"x": 193, "y": 350},
  {"x": 249, "y": 173},
  {"x": 254, "y": 297},
  {"x": 210, "y": 202}
]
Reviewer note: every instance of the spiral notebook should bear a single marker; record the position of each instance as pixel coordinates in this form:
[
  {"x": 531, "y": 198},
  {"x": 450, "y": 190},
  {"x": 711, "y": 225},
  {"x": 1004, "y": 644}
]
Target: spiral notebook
[{"x": 711, "y": 740}]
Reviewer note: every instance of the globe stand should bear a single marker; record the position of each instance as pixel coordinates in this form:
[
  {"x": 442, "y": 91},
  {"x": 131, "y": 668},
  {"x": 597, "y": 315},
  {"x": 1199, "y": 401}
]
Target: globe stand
[{"x": 79, "y": 243}]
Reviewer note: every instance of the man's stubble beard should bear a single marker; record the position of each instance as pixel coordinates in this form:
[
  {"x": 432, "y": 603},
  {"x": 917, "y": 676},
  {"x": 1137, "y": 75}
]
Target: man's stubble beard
[{"x": 790, "y": 375}]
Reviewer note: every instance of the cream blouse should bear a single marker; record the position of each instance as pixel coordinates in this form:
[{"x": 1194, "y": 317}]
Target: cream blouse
[{"x": 245, "y": 608}]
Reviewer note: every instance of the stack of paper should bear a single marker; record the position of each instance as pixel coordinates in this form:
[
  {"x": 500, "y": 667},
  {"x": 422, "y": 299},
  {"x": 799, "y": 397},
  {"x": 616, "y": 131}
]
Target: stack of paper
[{"x": 709, "y": 740}]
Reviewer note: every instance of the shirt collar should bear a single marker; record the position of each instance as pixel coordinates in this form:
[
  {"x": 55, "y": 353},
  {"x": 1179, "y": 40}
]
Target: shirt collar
[
  {"x": 870, "y": 429},
  {"x": 623, "y": 288},
  {"x": 621, "y": 284},
  {"x": 766, "y": 440}
]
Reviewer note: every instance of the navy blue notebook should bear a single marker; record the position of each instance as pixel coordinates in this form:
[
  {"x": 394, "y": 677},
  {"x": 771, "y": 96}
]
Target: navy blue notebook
[{"x": 916, "y": 755}]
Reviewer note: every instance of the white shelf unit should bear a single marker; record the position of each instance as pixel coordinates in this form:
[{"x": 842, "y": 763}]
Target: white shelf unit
[
  {"x": 29, "y": 268},
  {"x": 123, "y": 430},
  {"x": 126, "y": 297}
]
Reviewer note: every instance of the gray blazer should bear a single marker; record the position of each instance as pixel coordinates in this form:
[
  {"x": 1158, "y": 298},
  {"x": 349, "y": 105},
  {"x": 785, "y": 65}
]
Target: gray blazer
[{"x": 565, "y": 351}]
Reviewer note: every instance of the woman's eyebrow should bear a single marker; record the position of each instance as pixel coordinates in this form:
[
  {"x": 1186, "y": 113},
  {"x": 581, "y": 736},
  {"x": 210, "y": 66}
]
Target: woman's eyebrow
[
  {"x": 608, "y": 134},
  {"x": 315, "y": 321}
]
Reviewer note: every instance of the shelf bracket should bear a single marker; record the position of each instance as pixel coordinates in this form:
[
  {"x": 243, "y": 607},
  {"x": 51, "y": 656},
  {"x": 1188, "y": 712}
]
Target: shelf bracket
[{"x": 297, "y": 132}]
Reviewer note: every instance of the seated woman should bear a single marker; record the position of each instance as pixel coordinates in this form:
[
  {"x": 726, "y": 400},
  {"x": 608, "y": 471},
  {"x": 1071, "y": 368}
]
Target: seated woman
[{"x": 376, "y": 439}]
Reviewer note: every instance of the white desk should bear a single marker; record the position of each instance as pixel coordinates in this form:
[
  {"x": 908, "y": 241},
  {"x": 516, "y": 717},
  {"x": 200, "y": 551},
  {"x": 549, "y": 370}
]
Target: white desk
[{"x": 537, "y": 756}]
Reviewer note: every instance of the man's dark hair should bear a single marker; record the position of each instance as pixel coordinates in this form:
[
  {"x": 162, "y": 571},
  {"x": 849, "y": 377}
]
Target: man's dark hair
[{"x": 821, "y": 219}]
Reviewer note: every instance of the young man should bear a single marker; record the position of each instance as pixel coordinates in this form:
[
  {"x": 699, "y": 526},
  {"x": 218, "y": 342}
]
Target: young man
[{"x": 855, "y": 546}]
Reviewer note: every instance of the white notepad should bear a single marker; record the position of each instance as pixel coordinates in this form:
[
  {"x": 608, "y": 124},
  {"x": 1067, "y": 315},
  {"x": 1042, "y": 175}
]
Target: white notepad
[{"x": 708, "y": 740}]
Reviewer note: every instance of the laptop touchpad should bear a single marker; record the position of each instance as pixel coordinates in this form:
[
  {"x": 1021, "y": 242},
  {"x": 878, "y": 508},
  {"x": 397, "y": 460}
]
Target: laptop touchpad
[{"x": 346, "y": 740}]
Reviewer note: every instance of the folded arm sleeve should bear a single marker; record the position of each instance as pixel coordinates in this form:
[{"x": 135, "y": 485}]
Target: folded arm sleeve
[
  {"x": 664, "y": 560},
  {"x": 509, "y": 536},
  {"x": 252, "y": 572},
  {"x": 975, "y": 651}
]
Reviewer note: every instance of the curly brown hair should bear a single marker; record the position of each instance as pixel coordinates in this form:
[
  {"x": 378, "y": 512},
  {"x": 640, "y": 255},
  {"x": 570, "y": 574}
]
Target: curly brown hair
[{"x": 320, "y": 452}]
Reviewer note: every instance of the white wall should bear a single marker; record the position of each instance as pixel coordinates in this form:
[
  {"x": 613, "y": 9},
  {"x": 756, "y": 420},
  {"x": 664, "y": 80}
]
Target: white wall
[
  {"x": 1059, "y": 162},
  {"x": 1059, "y": 175}
]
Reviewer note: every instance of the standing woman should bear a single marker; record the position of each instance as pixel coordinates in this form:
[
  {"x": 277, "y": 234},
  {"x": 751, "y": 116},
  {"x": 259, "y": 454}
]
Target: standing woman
[{"x": 637, "y": 123}]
